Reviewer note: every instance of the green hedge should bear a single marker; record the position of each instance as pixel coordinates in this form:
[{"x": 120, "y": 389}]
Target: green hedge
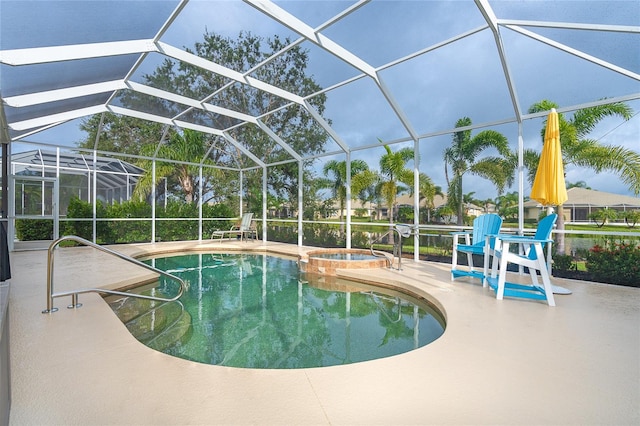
[
  {"x": 34, "y": 229},
  {"x": 127, "y": 231}
]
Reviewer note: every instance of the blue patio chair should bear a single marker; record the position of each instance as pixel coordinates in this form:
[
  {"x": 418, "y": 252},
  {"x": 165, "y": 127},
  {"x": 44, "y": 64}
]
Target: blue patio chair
[
  {"x": 487, "y": 224},
  {"x": 530, "y": 254}
]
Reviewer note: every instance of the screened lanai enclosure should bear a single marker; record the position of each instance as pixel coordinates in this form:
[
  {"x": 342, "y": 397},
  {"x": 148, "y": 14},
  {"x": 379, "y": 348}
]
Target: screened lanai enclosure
[
  {"x": 225, "y": 107},
  {"x": 115, "y": 180}
]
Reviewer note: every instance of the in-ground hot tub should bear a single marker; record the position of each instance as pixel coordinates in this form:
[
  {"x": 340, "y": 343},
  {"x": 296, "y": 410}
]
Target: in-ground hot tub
[{"x": 326, "y": 261}]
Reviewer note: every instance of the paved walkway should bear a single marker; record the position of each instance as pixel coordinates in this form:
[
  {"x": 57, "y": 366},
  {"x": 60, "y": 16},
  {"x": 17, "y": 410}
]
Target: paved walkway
[{"x": 498, "y": 362}]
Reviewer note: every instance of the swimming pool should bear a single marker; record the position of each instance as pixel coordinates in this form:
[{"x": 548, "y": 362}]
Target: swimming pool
[{"x": 260, "y": 311}]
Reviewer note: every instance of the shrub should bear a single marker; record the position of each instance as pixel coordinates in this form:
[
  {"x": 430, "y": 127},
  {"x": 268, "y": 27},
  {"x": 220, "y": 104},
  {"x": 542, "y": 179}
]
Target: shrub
[
  {"x": 127, "y": 231},
  {"x": 563, "y": 262},
  {"x": 34, "y": 229},
  {"x": 79, "y": 209},
  {"x": 602, "y": 216},
  {"x": 615, "y": 263},
  {"x": 632, "y": 217}
]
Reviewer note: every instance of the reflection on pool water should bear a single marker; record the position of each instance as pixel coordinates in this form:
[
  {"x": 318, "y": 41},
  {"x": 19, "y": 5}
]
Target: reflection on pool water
[{"x": 259, "y": 311}]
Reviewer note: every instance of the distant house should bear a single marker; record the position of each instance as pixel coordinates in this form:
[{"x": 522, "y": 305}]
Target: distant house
[
  {"x": 406, "y": 200},
  {"x": 582, "y": 202},
  {"x": 381, "y": 211},
  {"x": 357, "y": 209}
]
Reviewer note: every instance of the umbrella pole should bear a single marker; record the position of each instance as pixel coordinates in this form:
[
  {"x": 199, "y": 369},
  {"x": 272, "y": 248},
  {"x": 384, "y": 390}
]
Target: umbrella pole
[{"x": 556, "y": 289}]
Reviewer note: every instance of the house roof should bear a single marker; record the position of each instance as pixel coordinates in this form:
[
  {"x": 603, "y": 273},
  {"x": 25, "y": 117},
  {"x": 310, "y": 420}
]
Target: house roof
[{"x": 581, "y": 197}]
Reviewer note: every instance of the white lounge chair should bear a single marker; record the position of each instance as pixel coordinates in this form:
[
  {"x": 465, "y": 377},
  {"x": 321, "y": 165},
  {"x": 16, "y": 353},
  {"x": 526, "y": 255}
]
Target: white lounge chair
[{"x": 243, "y": 230}]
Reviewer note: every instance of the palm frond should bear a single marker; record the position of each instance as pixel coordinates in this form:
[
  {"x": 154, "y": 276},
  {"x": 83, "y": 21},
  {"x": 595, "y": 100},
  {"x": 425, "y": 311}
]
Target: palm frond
[
  {"x": 617, "y": 159},
  {"x": 497, "y": 170},
  {"x": 585, "y": 120}
]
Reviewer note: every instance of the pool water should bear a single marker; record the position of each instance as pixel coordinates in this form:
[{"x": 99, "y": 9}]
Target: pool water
[{"x": 259, "y": 311}]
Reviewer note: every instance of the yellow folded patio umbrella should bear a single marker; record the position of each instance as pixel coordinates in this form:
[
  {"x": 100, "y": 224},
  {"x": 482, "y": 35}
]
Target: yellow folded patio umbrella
[{"x": 549, "y": 187}]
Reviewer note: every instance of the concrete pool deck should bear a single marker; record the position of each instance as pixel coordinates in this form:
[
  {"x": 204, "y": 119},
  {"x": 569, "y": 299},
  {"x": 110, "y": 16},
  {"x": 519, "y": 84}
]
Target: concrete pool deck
[{"x": 499, "y": 362}]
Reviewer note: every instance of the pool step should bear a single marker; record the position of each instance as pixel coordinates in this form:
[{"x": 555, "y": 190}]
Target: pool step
[{"x": 159, "y": 325}]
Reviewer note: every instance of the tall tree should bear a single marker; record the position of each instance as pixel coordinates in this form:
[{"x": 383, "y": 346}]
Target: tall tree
[
  {"x": 579, "y": 150},
  {"x": 394, "y": 171},
  {"x": 290, "y": 122},
  {"x": 426, "y": 191},
  {"x": 179, "y": 150},
  {"x": 371, "y": 191},
  {"x": 121, "y": 134},
  {"x": 336, "y": 171},
  {"x": 507, "y": 205},
  {"x": 463, "y": 156}
]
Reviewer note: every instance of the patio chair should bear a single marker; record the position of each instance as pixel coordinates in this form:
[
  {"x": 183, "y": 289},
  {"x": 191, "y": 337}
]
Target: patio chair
[
  {"x": 530, "y": 254},
  {"x": 243, "y": 229},
  {"x": 487, "y": 224}
]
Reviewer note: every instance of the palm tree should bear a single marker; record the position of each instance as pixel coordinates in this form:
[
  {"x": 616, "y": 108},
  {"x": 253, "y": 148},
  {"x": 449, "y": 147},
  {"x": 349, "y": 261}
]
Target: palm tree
[
  {"x": 486, "y": 204},
  {"x": 507, "y": 205},
  {"x": 360, "y": 178},
  {"x": 188, "y": 146},
  {"x": 393, "y": 171},
  {"x": 578, "y": 150},
  {"x": 464, "y": 156},
  {"x": 468, "y": 198},
  {"x": 426, "y": 191},
  {"x": 370, "y": 192}
]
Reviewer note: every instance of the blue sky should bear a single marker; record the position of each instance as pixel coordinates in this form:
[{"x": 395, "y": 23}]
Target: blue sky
[{"x": 461, "y": 79}]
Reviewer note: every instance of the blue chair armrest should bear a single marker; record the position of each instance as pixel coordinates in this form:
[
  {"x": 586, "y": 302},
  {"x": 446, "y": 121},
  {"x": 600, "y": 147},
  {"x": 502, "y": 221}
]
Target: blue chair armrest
[
  {"x": 501, "y": 235},
  {"x": 522, "y": 239}
]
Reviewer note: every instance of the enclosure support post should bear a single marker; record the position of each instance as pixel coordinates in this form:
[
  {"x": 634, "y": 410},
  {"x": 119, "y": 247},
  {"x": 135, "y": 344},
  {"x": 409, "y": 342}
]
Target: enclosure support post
[
  {"x": 264, "y": 203},
  {"x": 200, "y": 204},
  {"x": 153, "y": 201},
  {"x": 240, "y": 192},
  {"x": 94, "y": 197},
  {"x": 300, "y": 200},
  {"x": 348, "y": 200},
  {"x": 416, "y": 200}
]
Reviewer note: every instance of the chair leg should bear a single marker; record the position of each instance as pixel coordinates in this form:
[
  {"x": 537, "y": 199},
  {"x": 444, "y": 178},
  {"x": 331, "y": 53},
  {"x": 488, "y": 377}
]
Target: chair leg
[
  {"x": 485, "y": 265},
  {"x": 470, "y": 261},
  {"x": 454, "y": 255},
  {"x": 544, "y": 273},
  {"x": 502, "y": 276},
  {"x": 494, "y": 265}
]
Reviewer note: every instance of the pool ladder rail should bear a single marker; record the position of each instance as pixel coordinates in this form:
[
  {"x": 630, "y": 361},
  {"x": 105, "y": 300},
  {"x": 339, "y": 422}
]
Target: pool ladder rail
[
  {"x": 74, "y": 294},
  {"x": 402, "y": 231}
]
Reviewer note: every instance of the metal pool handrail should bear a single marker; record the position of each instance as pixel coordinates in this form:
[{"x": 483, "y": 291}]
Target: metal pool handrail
[
  {"x": 74, "y": 294},
  {"x": 402, "y": 231}
]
